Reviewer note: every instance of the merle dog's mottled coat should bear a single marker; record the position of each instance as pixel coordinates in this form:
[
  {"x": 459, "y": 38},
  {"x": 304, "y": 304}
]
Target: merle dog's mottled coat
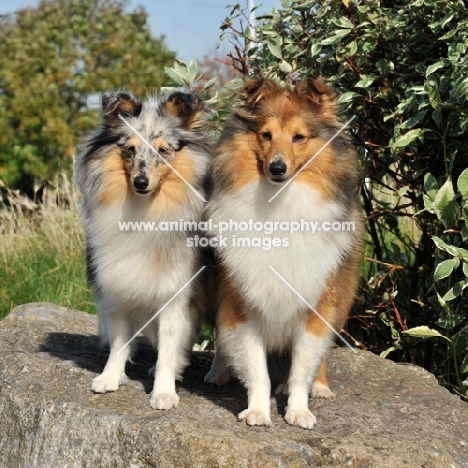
[{"x": 135, "y": 273}]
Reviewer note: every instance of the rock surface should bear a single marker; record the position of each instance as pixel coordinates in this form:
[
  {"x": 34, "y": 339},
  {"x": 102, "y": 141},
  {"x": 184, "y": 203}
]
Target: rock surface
[{"x": 385, "y": 415}]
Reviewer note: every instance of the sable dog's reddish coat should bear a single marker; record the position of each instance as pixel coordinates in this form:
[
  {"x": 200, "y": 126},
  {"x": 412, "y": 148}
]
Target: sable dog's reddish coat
[{"x": 272, "y": 135}]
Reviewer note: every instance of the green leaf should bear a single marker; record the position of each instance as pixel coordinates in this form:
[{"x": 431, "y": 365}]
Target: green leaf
[
  {"x": 462, "y": 183},
  {"x": 275, "y": 50},
  {"x": 446, "y": 19},
  {"x": 430, "y": 185},
  {"x": 285, "y": 67},
  {"x": 448, "y": 35},
  {"x": 406, "y": 104},
  {"x": 445, "y": 193},
  {"x": 301, "y": 6},
  {"x": 442, "y": 303},
  {"x": 193, "y": 69},
  {"x": 446, "y": 209},
  {"x": 385, "y": 353},
  {"x": 464, "y": 365},
  {"x": 352, "y": 48},
  {"x": 408, "y": 138},
  {"x": 412, "y": 121},
  {"x": 342, "y": 22},
  {"x": 385, "y": 66},
  {"x": 423, "y": 332},
  {"x": 432, "y": 89},
  {"x": 181, "y": 68},
  {"x": 445, "y": 247},
  {"x": 465, "y": 269},
  {"x": 365, "y": 81},
  {"x": 454, "y": 51},
  {"x": 348, "y": 97},
  {"x": 446, "y": 268},
  {"x": 437, "y": 117},
  {"x": 315, "y": 49},
  {"x": 459, "y": 342},
  {"x": 403, "y": 190},
  {"x": 428, "y": 203},
  {"x": 434, "y": 67},
  {"x": 455, "y": 291},
  {"x": 234, "y": 84},
  {"x": 340, "y": 34},
  {"x": 450, "y": 214},
  {"x": 174, "y": 76},
  {"x": 210, "y": 83},
  {"x": 464, "y": 231},
  {"x": 450, "y": 321},
  {"x": 465, "y": 211}
]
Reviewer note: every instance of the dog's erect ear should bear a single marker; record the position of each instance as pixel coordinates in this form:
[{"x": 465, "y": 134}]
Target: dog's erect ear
[
  {"x": 319, "y": 95},
  {"x": 256, "y": 90},
  {"x": 121, "y": 102},
  {"x": 188, "y": 107}
]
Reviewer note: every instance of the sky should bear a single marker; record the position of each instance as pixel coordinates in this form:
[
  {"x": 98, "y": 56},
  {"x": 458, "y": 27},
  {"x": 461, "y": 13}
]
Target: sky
[{"x": 190, "y": 27}]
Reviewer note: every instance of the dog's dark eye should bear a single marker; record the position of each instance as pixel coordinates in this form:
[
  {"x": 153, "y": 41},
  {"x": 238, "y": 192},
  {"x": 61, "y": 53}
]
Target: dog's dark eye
[
  {"x": 298, "y": 137},
  {"x": 129, "y": 152},
  {"x": 163, "y": 151},
  {"x": 266, "y": 136}
]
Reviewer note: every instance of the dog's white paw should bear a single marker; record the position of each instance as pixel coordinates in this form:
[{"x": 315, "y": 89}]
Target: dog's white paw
[
  {"x": 300, "y": 417},
  {"x": 107, "y": 382},
  {"x": 282, "y": 389},
  {"x": 217, "y": 378},
  {"x": 164, "y": 401},
  {"x": 319, "y": 390},
  {"x": 255, "y": 417}
]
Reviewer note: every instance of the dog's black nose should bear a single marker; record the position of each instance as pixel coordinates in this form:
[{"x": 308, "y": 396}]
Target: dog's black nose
[
  {"x": 141, "y": 183},
  {"x": 277, "y": 168}
]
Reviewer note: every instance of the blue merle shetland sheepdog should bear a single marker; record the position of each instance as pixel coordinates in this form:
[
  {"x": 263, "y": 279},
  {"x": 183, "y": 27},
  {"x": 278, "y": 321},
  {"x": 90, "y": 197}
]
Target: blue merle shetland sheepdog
[{"x": 135, "y": 274}]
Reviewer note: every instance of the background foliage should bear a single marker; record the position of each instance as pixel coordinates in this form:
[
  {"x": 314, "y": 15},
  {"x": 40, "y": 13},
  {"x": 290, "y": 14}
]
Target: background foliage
[{"x": 54, "y": 62}]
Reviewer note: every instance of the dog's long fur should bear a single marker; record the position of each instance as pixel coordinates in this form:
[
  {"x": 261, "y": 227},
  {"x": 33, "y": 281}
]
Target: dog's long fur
[
  {"x": 134, "y": 274},
  {"x": 273, "y": 132}
]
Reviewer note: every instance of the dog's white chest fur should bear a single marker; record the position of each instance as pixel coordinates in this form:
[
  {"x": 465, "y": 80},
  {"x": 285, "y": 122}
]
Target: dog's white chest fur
[
  {"x": 305, "y": 263},
  {"x": 144, "y": 268}
]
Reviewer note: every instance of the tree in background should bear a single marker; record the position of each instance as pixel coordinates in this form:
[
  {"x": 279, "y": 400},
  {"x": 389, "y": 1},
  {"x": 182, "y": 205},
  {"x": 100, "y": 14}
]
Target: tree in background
[
  {"x": 402, "y": 68},
  {"x": 54, "y": 62}
]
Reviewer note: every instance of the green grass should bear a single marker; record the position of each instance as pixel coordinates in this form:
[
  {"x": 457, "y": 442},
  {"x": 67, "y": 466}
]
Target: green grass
[{"x": 45, "y": 261}]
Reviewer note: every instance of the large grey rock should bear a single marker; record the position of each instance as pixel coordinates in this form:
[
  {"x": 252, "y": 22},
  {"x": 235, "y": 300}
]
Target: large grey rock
[{"x": 385, "y": 415}]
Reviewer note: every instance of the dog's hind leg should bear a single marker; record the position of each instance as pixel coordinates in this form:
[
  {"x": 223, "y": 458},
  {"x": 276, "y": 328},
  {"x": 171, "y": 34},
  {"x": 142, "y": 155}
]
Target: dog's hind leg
[
  {"x": 219, "y": 373},
  {"x": 320, "y": 388},
  {"x": 118, "y": 329}
]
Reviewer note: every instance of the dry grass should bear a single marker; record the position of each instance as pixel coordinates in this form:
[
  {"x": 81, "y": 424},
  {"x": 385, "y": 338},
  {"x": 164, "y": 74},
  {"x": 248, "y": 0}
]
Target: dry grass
[{"x": 42, "y": 254}]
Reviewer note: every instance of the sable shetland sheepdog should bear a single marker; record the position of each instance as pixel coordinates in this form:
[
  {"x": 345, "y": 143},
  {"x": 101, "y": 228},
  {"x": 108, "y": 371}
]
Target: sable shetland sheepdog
[
  {"x": 134, "y": 274},
  {"x": 270, "y": 138}
]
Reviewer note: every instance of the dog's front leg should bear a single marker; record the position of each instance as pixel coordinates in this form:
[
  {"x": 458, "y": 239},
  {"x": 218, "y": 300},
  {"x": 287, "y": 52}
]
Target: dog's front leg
[
  {"x": 245, "y": 348},
  {"x": 173, "y": 342},
  {"x": 118, "y": 332},
  {"x": 308, "y": 350}
]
